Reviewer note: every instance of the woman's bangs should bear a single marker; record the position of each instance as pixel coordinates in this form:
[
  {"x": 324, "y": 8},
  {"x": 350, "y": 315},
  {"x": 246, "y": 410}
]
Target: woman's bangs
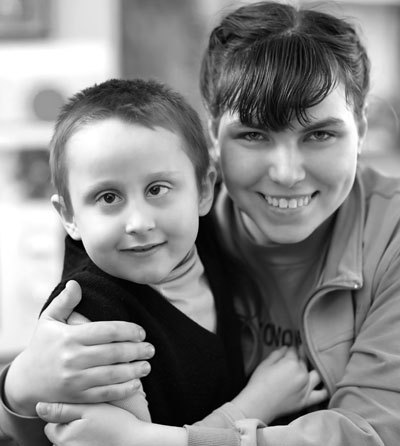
[{"x": 277, "y": 81}]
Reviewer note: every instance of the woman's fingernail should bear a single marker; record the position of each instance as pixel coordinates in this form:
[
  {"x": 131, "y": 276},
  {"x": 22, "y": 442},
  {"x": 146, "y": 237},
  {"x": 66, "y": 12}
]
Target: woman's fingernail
[
  {"x": 142, "y": 334},
  {"x": 146, "y": 368},
  {"x": 150, "y": 351},
  {"x": 135, "y": 384}
]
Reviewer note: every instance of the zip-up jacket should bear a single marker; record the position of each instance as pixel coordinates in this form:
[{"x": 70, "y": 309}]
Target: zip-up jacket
[{"x": 350, "y": 329}]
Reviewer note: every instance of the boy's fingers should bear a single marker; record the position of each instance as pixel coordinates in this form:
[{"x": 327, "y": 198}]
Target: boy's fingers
[
  {"x": 62, "y": 306},
  {"x": 291, "y": 353},
  {"x": 317, "y": 396},
  {"x": 313, "y": 378},
  {"x": 301, "y": 351},
  {"x": 275, "y": 355},
  {"x": 59, "y": 412}
]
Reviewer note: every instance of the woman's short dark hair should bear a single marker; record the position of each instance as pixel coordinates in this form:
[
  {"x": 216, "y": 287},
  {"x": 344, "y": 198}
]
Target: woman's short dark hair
[{"x": 270, "y": 62}]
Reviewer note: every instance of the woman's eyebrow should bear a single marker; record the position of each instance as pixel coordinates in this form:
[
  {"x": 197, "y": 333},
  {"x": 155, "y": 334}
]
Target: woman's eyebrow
[{"x": 324, "y": 123}]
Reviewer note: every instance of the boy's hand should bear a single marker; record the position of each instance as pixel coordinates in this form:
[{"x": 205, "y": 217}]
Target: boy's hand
[
  {"x": 76, "y": 363},
  {"x": 88, "y": 424},
  {"x": 279, "y": 385},
  {"x": 104, "y": 425}
]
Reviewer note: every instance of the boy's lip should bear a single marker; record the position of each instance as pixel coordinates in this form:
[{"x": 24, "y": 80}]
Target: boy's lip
[{"x": 143, "y": 248}]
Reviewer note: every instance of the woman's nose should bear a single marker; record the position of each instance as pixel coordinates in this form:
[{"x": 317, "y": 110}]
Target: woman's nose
[{"x": 286, "y": 166}]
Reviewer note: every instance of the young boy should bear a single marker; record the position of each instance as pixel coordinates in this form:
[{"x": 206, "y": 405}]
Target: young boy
[
  {"x": 131, "y": 168},
  {"x": 133, "y": 176}
]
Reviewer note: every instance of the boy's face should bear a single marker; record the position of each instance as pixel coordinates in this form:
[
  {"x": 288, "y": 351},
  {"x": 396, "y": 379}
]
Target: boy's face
[
  {"x": 288, "y": 183},
  {"x": 135, "y": 198}
]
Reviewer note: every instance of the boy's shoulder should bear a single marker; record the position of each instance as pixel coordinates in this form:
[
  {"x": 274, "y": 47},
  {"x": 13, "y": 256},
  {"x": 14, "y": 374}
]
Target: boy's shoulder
[{"x": 104, "y": 297}]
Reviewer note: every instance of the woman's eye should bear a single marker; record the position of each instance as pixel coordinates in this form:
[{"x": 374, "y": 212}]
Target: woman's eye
[
  {"x": 157, "y": 190},
  {"x": 321, "y": 135},
  {"x": 109, "y": 198}
]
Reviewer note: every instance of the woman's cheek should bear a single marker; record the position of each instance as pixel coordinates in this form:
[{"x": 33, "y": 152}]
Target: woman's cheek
[{"x": 236, "y": 167}]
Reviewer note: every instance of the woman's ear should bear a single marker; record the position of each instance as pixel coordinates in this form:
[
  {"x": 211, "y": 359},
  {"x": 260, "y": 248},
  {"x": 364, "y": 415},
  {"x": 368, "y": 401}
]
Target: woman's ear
[
  {"x": 207, "y": 191},
  {"x": 362, "y": 126},
  {"x": 67, "y": 217}
]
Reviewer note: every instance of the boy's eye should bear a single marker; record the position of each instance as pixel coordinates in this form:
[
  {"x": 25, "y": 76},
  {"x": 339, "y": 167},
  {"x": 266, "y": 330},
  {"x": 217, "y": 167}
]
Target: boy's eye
[
  {"x": 253, "y": 136},
  {"x": 109, "y": 198},
  {"x": 157, "y": 190}
]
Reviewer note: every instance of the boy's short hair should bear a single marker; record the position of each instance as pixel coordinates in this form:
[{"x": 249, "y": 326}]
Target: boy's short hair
[
  {"x": 137, "y": 101},
  {"x": 270, "y": 62}
]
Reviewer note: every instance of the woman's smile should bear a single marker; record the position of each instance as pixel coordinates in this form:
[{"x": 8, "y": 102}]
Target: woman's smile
[{"x": 288, "y": 202}]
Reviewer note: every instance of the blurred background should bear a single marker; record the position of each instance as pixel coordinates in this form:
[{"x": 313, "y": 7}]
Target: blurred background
[{"x": 49, "y": 49}]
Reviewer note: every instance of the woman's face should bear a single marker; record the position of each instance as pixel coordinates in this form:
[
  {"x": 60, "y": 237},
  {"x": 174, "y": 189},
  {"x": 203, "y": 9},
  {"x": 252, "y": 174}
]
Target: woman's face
[{"x": 288, "y": 183}]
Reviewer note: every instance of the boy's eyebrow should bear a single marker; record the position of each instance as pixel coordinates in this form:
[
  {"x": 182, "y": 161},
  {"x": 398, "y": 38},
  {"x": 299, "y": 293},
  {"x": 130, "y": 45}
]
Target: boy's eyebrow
[
  {"x": 165, "y": 173},
  {"x": 114, "y": 184},
  {"x": 96, "y": 187}
]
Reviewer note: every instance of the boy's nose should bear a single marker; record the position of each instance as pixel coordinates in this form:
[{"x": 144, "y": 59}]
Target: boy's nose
[
  {"x": 140, "y": 220},
  {"x": 286, "y": 166}
]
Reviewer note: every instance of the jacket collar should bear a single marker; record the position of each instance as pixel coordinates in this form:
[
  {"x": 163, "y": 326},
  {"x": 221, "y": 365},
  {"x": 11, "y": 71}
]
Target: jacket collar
[
  {"x": 343, "y": 265},
  {"x": 344, "y": 259}
]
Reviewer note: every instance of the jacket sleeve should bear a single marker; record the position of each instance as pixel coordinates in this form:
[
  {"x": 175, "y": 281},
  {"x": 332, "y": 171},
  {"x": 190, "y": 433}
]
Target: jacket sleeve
[
  {"x": 223, "y": 417},
  {"x": 26, "y": 431}
]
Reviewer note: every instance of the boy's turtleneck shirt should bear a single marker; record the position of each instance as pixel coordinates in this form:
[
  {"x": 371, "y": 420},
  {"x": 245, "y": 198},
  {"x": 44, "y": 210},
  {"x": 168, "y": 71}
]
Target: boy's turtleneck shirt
[
  {"x": 189, "y": 318},
  {"x": 187, "y": 288}
]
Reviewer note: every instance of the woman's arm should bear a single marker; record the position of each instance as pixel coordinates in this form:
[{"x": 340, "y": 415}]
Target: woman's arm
[
  {"x": 136, "y": 403},
  {"x": 69, "y": 363},
  {"x": 280, "y": 384}
]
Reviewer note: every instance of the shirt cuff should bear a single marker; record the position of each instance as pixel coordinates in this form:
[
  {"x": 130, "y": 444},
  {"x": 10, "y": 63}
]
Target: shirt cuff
[
  {"x": 248, "y": 431},
  {"x": 205, "y": 436},
  {"x": 231, "y": 412},
  {"x": 26, "y": 430},
  {"x": 223, "y": 417}
]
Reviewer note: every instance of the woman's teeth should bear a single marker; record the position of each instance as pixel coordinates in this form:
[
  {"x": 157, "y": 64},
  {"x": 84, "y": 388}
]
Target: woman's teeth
[{"x": 288, "y": 203}]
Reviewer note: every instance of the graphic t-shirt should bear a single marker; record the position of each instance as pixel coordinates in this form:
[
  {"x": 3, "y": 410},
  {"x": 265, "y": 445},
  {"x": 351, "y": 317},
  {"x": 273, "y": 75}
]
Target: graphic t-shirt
[{"x": 286, "y": 276}]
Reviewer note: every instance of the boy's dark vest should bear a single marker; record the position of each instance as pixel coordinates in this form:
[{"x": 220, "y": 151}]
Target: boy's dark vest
[{"x": 193, "y": 371}]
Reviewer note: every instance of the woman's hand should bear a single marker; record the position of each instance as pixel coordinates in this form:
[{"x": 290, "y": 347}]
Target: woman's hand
[{"x": 86, "y": 363}]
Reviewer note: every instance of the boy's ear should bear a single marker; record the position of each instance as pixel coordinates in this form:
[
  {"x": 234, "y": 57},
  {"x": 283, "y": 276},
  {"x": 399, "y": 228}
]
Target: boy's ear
[
  {"x": 362, "y": 125},
  {"x": 67, "y": 217},
  {"x": 207, "y": 191}
]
